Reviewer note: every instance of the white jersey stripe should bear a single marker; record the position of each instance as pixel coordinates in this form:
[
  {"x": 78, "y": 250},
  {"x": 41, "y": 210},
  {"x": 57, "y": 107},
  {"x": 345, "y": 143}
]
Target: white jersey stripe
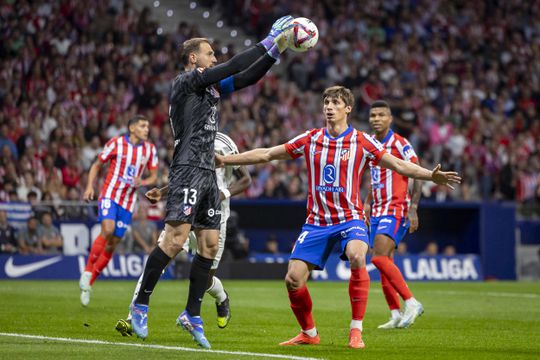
[
  {"x": 119, "y": 151},
  {"x": 335, "y": 195},
  {"x": 388, "y": 174},
  {"x": 351, "y": 170},
  {"x": 323, "y": 159}
]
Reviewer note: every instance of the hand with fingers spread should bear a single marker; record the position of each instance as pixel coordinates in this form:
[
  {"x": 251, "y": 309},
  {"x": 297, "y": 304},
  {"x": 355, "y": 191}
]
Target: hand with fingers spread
[
  {"x": 276, "y": 41},
  {"x": 446, "y": 178}
]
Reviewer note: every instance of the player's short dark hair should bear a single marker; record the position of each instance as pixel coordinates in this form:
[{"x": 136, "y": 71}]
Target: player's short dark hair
[
  {"x": 340, "y": 92},
  {"x": 379, "y": 104},
  {"x": 135, "y": 120},
  {"x": 189, "y": 46}
]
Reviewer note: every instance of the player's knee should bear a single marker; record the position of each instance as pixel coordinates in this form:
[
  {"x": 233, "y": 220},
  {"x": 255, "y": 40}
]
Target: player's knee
[
  {"x": 293, "y": 282},
  {"x": 107, "y": 232},
  {"x": 357, "y": 260}
]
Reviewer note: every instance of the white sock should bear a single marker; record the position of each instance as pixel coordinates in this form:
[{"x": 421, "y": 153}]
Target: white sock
[
  {"x": 310, "y": 332},
  {"x": 395, "y": 314},
  {"x": 356, "y": 324},
  {"x": 411, "y": 302},
  {"x": 217, "y": 291}
]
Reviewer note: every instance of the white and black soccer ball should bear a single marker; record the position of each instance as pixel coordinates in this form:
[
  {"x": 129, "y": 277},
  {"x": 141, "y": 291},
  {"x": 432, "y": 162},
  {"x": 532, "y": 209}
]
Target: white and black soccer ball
[{"x": 303, "y": 35}]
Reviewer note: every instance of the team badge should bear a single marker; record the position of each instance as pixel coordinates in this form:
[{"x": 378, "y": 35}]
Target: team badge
[
  {"x": 187, "y": 210},
  {"x": 345, "y": 154}
]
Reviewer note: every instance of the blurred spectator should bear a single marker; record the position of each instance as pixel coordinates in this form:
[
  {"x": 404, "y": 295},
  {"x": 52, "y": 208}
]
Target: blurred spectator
[
  {"x": 18, "y": 212},
  {"x": 8, "y": 239},
  {"x": 51, "y": 239},
  {"x": 272, "y": 245},
  {"x": 431, "y": 249},
  {"x": 463, "y": 81},
  {"x": 30, "y": 238},
  {"x": 449, "y": 250},
  {"x": 402, "y": 249},
  {"x": 144, "y": 232}
]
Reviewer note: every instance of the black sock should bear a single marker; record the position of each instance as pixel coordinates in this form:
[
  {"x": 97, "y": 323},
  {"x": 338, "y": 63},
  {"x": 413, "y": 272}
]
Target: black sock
[
  {"x": 198, "y": 281},
  {"x": 157, "y": 261}
]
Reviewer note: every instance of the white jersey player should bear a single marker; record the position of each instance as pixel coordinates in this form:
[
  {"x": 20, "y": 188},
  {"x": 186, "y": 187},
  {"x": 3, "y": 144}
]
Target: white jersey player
[{"x": 231, "y": 180}]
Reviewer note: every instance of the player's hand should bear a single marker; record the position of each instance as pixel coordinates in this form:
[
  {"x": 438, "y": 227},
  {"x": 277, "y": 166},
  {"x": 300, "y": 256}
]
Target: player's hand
[
  {"x": 280, "y": 25},
  {"x": 137, "y": 182},
  {"x": 153, "y": 195},
  {"x": 219, "y": 160},
  {"x": 446, "y": 178},
  {"x": 367, "y": 214},
  {"x": 413, "y": 219},
  {"x": 88, "y": 194}
]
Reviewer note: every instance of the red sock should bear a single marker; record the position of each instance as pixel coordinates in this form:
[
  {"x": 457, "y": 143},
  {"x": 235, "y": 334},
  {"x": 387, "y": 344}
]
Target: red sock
[
  {"x": 358, "y": 292},
  {"x": 100, "y": 264},
  {"x": 95, "y": 251},
  {"x": 301, "y": 306},
  {"x": 390, "y": 293},
  {"x": 392, "y": 273}
]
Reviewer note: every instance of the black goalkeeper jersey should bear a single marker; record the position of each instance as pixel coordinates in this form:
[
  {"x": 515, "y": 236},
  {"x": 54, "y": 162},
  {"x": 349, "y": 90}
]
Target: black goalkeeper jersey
[{"x": 194, "y": 120}]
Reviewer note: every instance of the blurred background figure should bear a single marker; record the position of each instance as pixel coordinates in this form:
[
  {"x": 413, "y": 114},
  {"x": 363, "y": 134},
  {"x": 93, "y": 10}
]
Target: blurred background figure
[
  {"x": 432, "y": 249},
  {"x": 8, "y": 239}
]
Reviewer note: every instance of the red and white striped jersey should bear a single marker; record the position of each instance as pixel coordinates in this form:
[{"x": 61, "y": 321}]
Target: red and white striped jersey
[
  {"x": 335, "y": 167},
  {"x": 128, "y": 161},
  {"x": 389, "y": 189}
]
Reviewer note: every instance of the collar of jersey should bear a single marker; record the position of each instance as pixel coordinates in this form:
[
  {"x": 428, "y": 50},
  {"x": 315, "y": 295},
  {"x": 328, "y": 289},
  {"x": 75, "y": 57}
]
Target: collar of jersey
[
  {"x": 349, "y": 129},
  {"x": 127, "y": 139},
  {"x": 387, "y": 137}
]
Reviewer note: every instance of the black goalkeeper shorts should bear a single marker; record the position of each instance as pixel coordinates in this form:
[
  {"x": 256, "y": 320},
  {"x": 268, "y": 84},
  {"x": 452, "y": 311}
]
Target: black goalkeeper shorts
[{"x": 193, "y": 197}]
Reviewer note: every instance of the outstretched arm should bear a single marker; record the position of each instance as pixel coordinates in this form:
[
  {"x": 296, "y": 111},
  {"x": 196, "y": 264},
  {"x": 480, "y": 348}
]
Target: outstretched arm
[
  {"x": 412, "y": 170},
  {"x": 256, "y": 156},
  {"x": 265, "y": 53}
]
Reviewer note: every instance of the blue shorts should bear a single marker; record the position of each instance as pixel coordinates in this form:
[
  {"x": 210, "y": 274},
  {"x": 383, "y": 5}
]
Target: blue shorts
[
  {"x": 109, "y": 210},
  {"x": 390, "y": 226},
  {"x": 315, "y": 243}
]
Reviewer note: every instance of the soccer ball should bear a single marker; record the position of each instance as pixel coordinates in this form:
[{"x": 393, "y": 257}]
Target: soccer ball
[{"x": 303, "y": 35}]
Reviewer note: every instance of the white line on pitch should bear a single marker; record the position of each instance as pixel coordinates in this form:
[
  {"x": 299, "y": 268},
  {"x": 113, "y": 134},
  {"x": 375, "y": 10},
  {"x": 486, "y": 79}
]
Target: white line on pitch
[{"x": 159, "y": 347}]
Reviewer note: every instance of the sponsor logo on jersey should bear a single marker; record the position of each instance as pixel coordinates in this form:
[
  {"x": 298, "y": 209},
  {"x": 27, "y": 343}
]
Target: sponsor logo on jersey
[
  {"x": 329, "y": 173},
  {"x": 324, "y": 188}
]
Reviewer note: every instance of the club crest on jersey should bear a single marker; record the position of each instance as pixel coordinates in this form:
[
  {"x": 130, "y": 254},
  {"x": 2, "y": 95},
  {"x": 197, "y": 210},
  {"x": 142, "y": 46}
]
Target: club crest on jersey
[
  {"x": 187, "y": 210},
  {"x": 345, "y": 154}
]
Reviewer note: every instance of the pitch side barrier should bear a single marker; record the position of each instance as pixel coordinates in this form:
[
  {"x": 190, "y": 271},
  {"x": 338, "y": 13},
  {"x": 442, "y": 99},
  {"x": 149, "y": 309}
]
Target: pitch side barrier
[
  {"x": 483, "y": 228},
  {"x": 259, "y": 266}
]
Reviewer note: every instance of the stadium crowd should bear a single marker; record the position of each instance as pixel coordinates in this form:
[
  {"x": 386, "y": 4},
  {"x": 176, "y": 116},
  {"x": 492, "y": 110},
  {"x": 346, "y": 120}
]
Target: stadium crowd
[{"x": 463, "y": 79}]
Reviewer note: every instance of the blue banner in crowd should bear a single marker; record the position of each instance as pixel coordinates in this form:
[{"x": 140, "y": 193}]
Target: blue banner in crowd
[
  {"x": 421, "y": 268},
  {"x": 60, "y": 267}
]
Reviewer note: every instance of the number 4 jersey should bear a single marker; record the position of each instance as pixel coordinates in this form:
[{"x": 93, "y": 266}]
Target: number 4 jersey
[
  {"x": 128, "y": 162},
  {"x": 389, "y": 189}
]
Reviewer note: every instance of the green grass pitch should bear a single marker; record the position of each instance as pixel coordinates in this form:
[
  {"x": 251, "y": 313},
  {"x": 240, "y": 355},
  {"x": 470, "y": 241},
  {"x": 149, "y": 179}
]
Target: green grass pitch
[{"x": 492, "y": 320}]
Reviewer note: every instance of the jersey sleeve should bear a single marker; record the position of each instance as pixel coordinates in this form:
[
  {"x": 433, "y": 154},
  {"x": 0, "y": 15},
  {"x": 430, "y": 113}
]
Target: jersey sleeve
[
  {"x": 407, "y": 152},
  {"x": 109, "y": 150},
  {"x": 154, "y": 160},
  {"x": 296, "y": 146},
  {"x": 373, "y": 149}
]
